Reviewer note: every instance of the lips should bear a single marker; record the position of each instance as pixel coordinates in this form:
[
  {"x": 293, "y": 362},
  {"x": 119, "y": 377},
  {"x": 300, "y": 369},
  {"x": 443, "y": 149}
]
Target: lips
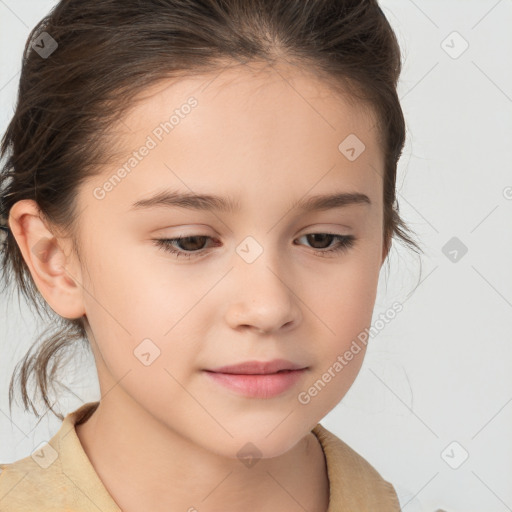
[
  {"x": 257, "y": 385},
  {"x": 258, "y": 367}
]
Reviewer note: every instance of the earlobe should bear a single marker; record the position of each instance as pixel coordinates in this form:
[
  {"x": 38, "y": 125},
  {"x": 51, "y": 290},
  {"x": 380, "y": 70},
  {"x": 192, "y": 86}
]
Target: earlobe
[{"x": 57, "y": 278}]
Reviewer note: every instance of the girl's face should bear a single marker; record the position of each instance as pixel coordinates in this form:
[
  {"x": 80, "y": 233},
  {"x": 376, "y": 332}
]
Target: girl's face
[{"x": 259, "y": 284}]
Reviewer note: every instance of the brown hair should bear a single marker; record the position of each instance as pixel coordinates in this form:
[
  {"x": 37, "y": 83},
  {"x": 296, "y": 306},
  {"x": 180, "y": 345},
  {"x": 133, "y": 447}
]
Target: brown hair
[{"x": 108, "y": 51}]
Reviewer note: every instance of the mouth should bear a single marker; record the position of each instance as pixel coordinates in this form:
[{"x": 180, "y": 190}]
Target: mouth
[
  {"x": 259, "y": 367},
  {"x": 258, "y": 385}
]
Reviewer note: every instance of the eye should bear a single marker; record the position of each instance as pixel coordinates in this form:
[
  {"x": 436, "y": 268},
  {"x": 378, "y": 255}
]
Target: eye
[
  {"x": 169, "y": 245},
  {"x": 345, "y": 242},
  {"x": 194, "y": 245}
]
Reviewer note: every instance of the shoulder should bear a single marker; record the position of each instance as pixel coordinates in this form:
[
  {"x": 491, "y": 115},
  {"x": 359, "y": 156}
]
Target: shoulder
[
  {"x": 353, "y": 480},
  {"x": 20, "y": 485},
  {"x": 47, "y": 478},
  {"x": 343, "y": 457},
  {"x": 28, "y": 483}
]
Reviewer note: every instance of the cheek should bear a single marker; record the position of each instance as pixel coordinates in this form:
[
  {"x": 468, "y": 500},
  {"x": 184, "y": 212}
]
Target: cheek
[
  {"x": 137, "y": 290},
  {"x": 345, "y": 309},
  {"x": 344, "y": 297},
  {"x": 154, "y": 317}
]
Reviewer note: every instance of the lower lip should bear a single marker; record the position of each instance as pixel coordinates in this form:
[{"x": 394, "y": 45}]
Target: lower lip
[{"x": 259, "y": 386}]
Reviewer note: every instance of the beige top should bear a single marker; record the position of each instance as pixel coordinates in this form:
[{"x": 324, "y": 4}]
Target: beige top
[{"x": 60, "y": 477}]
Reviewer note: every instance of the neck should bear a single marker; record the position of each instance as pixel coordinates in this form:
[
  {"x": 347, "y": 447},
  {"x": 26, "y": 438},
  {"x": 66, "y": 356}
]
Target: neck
[{"x": 145, "y": 465}]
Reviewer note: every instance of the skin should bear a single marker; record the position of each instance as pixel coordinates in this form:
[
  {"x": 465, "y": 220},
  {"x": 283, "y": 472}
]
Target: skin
[{"x": 266, "y": 137}]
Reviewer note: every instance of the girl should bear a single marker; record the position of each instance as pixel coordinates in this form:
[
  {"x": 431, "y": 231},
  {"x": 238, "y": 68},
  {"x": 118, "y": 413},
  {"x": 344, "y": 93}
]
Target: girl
[{"x": 204, "y": 192}]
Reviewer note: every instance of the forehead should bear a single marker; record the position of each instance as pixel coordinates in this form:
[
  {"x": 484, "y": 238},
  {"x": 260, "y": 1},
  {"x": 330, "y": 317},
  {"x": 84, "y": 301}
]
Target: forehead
[
  {"x": 279, "y": 92},
  {"x": 249, "y": 128}
]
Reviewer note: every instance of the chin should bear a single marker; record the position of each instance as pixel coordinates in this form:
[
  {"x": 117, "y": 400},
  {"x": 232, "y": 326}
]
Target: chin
[{"x": 262, "y": 443}]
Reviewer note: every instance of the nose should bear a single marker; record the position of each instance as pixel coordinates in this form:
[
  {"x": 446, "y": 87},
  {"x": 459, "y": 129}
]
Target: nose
[{"x": 263, "y": 297}]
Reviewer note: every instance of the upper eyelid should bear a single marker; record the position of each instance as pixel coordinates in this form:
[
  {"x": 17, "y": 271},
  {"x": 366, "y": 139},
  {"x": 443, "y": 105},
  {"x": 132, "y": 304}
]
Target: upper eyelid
[{"x": 307, "y": 230}]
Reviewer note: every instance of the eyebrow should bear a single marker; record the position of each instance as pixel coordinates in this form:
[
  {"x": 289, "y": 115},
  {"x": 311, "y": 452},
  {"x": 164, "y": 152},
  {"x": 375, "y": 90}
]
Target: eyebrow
[{"x": 210, "y": 202}]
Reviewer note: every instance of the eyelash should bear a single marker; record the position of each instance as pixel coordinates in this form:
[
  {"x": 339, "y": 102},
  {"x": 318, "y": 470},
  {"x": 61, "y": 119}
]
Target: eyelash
[{"x": 345, "y": 242}]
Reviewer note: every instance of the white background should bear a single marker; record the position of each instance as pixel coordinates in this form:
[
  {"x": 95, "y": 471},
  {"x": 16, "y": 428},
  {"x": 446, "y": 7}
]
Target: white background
[{"x": 440, "y": 371}]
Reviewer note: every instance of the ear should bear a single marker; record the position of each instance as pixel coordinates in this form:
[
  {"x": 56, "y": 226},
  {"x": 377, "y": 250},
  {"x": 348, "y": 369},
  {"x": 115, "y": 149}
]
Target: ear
[{"x": 49, "y": 259}]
